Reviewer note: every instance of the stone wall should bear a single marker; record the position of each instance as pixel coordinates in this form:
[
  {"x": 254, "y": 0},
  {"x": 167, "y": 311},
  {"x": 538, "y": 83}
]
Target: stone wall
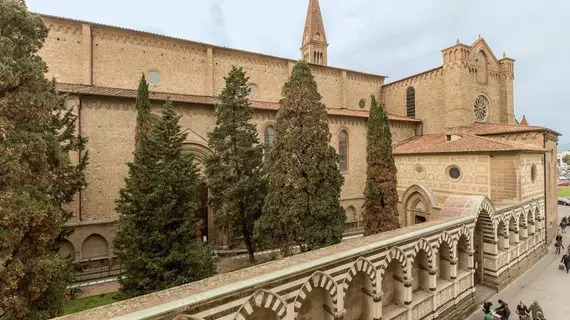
[
  {"x": 431, "y": 171},
  {"x": 87, "y": 53},
  {"x": 109, "y": 124},
  {"x": 467, "y": 72},
  {"x": 429, "y": 99}
]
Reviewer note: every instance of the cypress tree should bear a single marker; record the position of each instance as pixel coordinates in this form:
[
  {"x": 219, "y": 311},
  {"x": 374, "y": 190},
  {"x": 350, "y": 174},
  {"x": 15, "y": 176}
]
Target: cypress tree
[
  {"x": 37, "y": 177},
  {"x": 237, "y": 189},
  {"x": 302, "y": 205},
  {"x": 381, "y": 198},
  {"x": 157, "y": 209}
]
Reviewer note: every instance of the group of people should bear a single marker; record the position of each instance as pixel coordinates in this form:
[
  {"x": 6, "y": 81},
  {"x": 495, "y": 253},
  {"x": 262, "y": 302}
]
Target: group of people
[{"x": 533, "y": 312}]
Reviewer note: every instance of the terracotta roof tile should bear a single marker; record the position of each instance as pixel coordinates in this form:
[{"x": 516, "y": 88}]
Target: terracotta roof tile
[
  {"x": 436, "y": 143},
  {"x": 485, "y": 128},
  {"x": 129, "y": 93}
]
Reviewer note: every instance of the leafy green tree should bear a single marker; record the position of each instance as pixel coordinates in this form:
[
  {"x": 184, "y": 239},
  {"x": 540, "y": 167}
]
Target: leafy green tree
[
  {"x": 157, "y": 209},
  {"x": 302, "y": 205},
  {"x": 381, "y": 198},
  {"x": 237, "y": 188},
  {"x": 566, "y": 159},
  {"x": 38, "y": 179}
]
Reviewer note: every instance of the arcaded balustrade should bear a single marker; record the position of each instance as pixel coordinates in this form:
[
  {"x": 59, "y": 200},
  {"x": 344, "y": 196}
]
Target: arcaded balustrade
[{"x": 429, "y": 268}]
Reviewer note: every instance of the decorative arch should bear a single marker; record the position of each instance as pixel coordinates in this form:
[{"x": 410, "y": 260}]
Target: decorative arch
[
  {"x": 394, "y": 254},
  {"x": 486, "y": 217},
  {"x": 446, "y": 237},
  {"x": 463, "y": 231},
  {"x": 200, "y": 150},
  {"x": 361, "y": 265},
  {"x": 318, "y": 279},
  {"x": 424, "y": 207},
  {"x": 263, "y": 299},
  {"x": 482, "y": 67},
  {"x": 423, "y": 244}
]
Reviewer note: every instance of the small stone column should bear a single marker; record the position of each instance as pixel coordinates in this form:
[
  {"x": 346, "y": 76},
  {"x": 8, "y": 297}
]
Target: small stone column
[
  {"x": 504, "y": 240},
  {"x": 471, "y": 265},
  {"x": 408, "y": 292},
  {"x": 531, "y": 228},
  {"x": 377, "y": 306},
  {"x": 523, "y": 232}
]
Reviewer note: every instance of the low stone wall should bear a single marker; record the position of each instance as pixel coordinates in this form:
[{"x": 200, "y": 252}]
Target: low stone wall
[{"x": 424, "y": 271}]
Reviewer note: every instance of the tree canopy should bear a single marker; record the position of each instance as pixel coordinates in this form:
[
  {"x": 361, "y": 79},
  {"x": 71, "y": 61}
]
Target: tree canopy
[
  {"x": 302, "y": 205},
  {"x": 157, "y": 209},
  {"x": 381, "y": 197},
  {"x": 235, "y": 182},
  {"x": 38, "y": 178}
]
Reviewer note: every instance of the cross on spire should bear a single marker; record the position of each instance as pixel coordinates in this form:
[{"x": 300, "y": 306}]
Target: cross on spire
[{"x": 314, "y": 44}]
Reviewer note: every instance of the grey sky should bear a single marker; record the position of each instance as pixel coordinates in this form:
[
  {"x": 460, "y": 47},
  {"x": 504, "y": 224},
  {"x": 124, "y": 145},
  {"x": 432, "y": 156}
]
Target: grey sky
[{"x": 392, "y": 38}]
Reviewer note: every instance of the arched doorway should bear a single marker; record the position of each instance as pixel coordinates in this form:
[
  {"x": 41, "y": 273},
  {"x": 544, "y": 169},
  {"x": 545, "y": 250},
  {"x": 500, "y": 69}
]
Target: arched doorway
[{"x": 202, "y": 197}]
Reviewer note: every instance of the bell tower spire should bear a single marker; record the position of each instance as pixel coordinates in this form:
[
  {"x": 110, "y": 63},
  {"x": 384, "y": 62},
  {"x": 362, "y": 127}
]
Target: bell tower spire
[{"x": 314, "y": 45}]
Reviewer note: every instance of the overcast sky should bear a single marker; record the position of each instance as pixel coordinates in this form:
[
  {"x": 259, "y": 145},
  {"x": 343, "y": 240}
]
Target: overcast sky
[{"x": 387, "y": 37}]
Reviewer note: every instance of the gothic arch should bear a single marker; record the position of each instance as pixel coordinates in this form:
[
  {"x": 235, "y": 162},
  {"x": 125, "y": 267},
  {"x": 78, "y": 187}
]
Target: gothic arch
[
  {"x": 317, "y": 280},
  {"x": 397, "y": 254},
  {"x": 200, "y": 150},
  {"x": 487, "y": 220},
  {"x": 423, "y": 244},
  {"x": 361, "y": 265},
  {"x": 422, "y": 190},
  {"x": 263, "y": 299}
]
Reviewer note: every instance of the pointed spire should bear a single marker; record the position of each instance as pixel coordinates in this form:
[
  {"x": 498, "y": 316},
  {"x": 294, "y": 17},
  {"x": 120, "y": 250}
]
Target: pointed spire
[
  {"x": 523, "y": 121},
  {"x": 314, "y": 27},
  {"x": 314, "y": 44}
]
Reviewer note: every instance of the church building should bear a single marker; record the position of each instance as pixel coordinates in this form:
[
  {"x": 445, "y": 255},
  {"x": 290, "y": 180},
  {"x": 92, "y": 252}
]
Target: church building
[{"x": 453, "y": 128}]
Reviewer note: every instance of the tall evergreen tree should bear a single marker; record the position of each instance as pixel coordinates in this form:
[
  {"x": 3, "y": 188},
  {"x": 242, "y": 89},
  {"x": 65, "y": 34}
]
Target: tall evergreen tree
[
  {"x": 157, "y": 209},
  {"x": 381, "y": 198},
  {"x": 237, "y": 189},
  {"x": 302, "y": 205},
  {"x": 37, "y": 177}
]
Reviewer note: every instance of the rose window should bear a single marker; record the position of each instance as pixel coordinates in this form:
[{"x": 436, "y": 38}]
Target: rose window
[{"x": 480, "y": 109}]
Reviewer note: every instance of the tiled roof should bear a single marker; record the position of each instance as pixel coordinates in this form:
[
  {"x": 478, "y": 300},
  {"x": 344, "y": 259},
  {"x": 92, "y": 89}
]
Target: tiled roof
[
  {"x": 485, "y": 128},
  {"x": 436, "y": 143},
  {"x": 129, "y": 93}
]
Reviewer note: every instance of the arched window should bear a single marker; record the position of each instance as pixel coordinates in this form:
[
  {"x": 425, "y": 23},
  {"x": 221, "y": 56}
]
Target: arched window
[
  {"x": 268, "y": 139},
  {"x": 411, "y": 102},
  {"x": 343, "y": 151}
]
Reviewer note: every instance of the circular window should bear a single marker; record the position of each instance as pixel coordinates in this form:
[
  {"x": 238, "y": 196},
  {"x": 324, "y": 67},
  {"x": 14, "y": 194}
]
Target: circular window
[
  {"x": 419, "y": 172},
  {"x": 480, "y": 109},
  {"x": 153, "y": 77},
  {"x": 453, "y": 173},
  {"x": 362, "y": 104},
  {"x": 533, "y": 173},
  {"x": 252, "y": 90}
]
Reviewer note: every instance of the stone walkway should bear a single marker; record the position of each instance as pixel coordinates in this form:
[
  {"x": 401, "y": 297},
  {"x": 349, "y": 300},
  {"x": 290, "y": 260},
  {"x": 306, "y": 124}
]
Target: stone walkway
[{"x": 544, "y": 283}]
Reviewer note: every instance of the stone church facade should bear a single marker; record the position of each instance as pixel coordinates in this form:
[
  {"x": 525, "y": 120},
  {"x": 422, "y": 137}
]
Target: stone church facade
[{"x": 453, "y": 127}]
